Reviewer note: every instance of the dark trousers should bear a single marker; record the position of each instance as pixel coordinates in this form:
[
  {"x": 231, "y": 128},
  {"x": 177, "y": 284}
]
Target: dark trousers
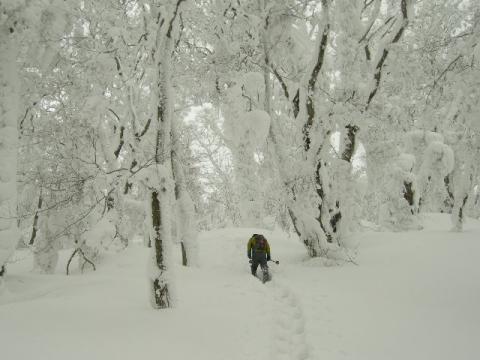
[{"x": 259, "y": 259}]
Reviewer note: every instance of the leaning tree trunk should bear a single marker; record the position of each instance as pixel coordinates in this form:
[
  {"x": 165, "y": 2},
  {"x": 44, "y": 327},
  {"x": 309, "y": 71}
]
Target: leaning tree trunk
[
  {"x": 305, "y": 224},
  {"x": 9, "y": 95}
]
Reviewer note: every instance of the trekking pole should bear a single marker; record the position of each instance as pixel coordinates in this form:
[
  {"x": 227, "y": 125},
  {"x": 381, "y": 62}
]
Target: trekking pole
[{"x": 275, "y": 261}]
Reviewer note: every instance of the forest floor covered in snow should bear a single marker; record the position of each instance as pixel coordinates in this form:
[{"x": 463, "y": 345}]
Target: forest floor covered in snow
[{"x": 413, "y": 295}]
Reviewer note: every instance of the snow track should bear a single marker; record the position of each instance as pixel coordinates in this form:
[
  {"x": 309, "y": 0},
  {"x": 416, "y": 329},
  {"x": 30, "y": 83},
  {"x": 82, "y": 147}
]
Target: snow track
[{"x": 288, "y": 334}]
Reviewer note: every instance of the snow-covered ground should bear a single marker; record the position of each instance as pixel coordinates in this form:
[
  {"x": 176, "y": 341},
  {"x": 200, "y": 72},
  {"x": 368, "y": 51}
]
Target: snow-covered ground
[{"x": 413, "y": 295}]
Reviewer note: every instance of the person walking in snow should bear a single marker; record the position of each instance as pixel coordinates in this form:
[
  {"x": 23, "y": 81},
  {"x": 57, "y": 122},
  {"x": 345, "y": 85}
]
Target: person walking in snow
[{"x": 258, "y": 251}]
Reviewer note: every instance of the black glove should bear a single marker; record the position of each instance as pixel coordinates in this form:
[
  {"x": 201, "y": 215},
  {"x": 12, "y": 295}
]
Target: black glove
[{"x": 268, "y": 257}]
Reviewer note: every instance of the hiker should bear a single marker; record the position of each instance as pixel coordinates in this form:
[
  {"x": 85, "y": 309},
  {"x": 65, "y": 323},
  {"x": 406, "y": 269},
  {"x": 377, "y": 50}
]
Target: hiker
[{"x": 258, "y": 251}]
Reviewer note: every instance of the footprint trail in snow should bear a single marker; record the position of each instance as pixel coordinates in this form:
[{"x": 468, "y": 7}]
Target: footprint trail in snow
[{"x": 288, "y": 334}]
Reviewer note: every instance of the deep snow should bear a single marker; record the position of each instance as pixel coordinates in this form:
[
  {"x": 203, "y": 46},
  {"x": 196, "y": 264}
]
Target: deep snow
[{"x": 414, "y": 295}]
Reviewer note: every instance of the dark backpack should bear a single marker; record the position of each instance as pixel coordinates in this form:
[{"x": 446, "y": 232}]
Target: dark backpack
[{"x": 260, "y": 243}]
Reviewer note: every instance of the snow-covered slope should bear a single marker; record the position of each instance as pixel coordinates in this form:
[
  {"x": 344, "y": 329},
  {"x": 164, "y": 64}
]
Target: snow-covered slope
[{"x": 413, "y": 295}]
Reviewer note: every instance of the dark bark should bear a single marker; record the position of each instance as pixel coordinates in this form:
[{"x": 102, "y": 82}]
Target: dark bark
[
  {"x": 294, "y": 222},
  {"x": 127, "y": 188},
  {"x": 161, "y": 119},
  {"x": 296, "y": 103},
  {"x": 109, "y": 203},
  {"x": 336, "y": 216},
  {"x": 184, "y": 255},
  {"x": 409, "y": 195},
  {"x": 283, "y": 85},
  {"x": 35, "y": 221},
  {"x": 350, "y": 143},
  {"x": 133, "y": 164},
  {"x": 320, "y": 58},
  {"x": 377, "y": 76},
  {"x": 449, "y": 201},
  {"x": 368, "y": 55},
  {"x": 121, "y": 142},
  {"x": 2, "y": 270},
  {"x": 80, "y": 251},
  {"x": 309, "y": 243},
  {"x": 175, "y": 13},
  {"x": 381, "y": 62},
  {"x": 319, "y": 188},
  {"x": 460, "y": 210},
  {"x": 310, "y": 107},
  {"x": 144, "y": 131},
  {"x": 176, "y": 180},
  {"x": 160, "y": 289}
]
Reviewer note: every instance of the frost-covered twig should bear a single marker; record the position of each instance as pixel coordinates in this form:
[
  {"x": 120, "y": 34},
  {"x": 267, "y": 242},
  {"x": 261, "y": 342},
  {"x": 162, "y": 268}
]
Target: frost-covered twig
[
  {"x": 442, "y": 74},
  {"x": 79, "y": 250}
]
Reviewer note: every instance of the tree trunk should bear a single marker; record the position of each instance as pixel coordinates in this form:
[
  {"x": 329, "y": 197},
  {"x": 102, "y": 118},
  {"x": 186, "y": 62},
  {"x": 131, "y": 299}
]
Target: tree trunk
[
  {"x": 449, "y": 201},
  {"x": 458, "y": 214},
  {"x": 35, "y": 221},
  {"x": 305, "y": 225},
  {"x": 409, "y": 195},
  {"x": 160, "y": 289},
  {"x": 184, "y": 255},
  {"x": 161, "y": 178}
]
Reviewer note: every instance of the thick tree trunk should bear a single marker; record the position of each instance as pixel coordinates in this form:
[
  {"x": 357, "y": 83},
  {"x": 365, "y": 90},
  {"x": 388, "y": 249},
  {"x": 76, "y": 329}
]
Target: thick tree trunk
[
  {"x": 161, "y": 177},
  {"x": 335, "y": 207},
  {"x": 160, "y": 289},
  {"x": 306, "y": 225}
]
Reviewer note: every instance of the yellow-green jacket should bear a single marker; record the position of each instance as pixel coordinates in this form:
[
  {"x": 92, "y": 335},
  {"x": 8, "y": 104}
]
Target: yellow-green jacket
[{"x": 251, "y": 247}]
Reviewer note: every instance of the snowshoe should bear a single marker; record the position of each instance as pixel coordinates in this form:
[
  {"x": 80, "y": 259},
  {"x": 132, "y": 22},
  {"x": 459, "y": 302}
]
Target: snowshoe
[{"x": 266, "y": 275}]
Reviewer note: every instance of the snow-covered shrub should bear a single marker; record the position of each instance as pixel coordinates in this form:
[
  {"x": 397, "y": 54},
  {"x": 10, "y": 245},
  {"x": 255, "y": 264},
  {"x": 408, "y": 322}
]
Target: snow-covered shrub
[
  {"x": 96, "y": 239},
  {"x": 438, "y": 162},
  {"x": 463, "y": 192},
  {"x": 418, "y": 141},
  {"x": 398, "y": 208},
  {"x": 379, "y": 155},
  {"x": 48, "y": 242}
]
